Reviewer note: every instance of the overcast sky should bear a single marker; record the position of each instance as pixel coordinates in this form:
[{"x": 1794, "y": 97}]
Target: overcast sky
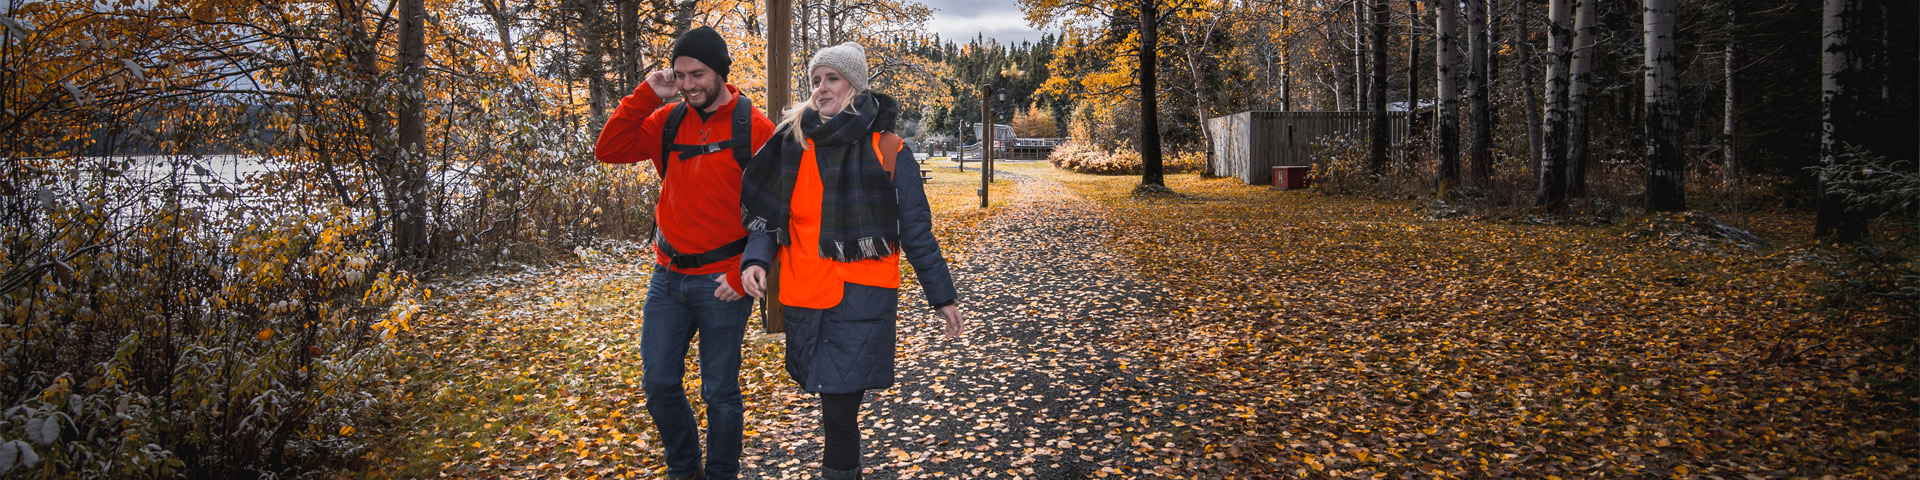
[{"x": 960, "y": 20}]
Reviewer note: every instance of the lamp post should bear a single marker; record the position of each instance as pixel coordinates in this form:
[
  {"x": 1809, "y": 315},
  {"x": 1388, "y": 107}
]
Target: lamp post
[
  {"x": 986, "y": 141},
  {"x": 960, "y": 143}
]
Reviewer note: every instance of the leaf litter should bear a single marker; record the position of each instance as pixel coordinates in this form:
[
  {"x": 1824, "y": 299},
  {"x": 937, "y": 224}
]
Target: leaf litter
[{"x": 1232, "y": 332}]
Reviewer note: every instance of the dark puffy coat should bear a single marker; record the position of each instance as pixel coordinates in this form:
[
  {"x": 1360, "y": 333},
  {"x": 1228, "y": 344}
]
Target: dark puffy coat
[{"x": 850, "y": 347}]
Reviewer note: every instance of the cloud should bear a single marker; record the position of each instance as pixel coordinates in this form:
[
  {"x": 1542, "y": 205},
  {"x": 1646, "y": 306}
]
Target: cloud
[{"x": 961, "y": 20}]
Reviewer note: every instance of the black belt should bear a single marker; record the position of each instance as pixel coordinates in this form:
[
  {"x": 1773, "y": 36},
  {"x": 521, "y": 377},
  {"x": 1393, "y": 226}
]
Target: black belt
[{"x": 697, "y": 260}]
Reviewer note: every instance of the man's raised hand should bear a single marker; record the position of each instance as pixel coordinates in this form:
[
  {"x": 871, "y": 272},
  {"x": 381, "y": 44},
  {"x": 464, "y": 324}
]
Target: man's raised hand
[{"x": 662, "y": 83}]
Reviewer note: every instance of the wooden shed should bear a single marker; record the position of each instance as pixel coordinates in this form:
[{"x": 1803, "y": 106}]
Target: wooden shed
[{"x": 1247, "y": 145}]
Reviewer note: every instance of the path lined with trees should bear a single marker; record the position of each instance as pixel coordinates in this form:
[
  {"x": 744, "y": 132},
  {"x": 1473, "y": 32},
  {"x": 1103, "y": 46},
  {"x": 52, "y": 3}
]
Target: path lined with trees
[{"x": 223, "y": 221}]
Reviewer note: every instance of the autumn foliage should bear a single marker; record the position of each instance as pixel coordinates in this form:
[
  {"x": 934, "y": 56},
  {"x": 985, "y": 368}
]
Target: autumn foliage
[{"x": 1340, "y": 337}]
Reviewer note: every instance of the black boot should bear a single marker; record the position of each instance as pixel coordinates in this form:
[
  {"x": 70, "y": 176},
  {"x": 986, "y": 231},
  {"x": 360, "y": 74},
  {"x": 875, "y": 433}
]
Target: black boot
[{"x": 831, "y": 474}]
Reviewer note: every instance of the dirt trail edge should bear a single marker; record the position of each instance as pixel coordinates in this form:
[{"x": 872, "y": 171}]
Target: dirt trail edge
[{"x": 1045, "y": 384}]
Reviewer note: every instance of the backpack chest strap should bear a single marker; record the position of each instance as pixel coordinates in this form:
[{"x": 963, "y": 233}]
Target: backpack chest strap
[{"x": 689, "y": 151}]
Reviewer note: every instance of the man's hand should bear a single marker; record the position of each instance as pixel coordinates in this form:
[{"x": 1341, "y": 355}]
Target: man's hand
[
  {"x": 754, "y": 279},
  {"x": 725, "y": 292},
  {"x": 956, "y": 321},
  {"x": 662, "y": 83}
]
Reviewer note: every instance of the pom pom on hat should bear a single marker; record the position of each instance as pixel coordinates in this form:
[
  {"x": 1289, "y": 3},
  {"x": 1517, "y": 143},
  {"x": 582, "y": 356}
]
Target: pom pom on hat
[{"x": 850, "y": 59}]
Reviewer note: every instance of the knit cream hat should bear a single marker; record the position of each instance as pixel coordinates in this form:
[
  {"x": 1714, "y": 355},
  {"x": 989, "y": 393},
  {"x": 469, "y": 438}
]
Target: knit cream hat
[{"x": 848, "y": 58}]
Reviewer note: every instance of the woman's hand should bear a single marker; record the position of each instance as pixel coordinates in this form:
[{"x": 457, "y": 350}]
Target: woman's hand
[
  {"x": 754, "y": 279},
  {"x": 956, "y": 321}
]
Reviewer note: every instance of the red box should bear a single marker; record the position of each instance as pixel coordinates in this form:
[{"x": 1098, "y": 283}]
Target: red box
[{"x": 1290, "y": 177}]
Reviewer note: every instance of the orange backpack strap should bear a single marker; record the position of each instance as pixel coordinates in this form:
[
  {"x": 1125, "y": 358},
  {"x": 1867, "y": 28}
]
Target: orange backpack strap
[{"x": 888, "y": 146}]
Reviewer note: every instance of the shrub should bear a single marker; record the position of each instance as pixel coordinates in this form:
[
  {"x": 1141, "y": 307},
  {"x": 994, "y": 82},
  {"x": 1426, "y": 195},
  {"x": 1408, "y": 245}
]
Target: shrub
[
  {"x": 158, "y": 336},
  {"x": 1078, "y": 157},
  {"x": 1341, "y": 168},
  {"x": 1189, "y": 161},
  {"x": 1875, "y": 291}
]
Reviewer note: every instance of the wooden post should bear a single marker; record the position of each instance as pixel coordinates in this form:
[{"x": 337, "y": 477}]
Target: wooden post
[
  {"x": 779, "y": 57},
  {"x": 779, "y": 85}
]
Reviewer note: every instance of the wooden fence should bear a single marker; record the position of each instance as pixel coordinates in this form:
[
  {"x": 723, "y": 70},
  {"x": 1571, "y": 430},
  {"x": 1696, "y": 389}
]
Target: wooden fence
[{"x": 1247, "y": 145}]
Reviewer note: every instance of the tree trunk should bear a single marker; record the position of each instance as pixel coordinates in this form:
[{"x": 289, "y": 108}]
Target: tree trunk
[
  {"x": 1553, "y": 165},
  {"x": 1286, "y": 68},
  {"x": 408, "y": 169},
  {"x": 683, "y": 18},
  {"x": 1581, "y": 73},
  {"x": 630, "y": 73},
  {"x": 1447, "y": 151},
  {"x": 1479, "y": 105},
  {"x": 1840, "y": 127},
  {"x": 1529, "y": 98},
  {"x": 1201, "y": 108},
  {"x": 1666, "y": 168},
  {"x": 1413, "y": 74},
  {"x": 1730, "y": 164},
  {"x": 1359, "y": 55},
  {"x": 1151, "y": 172},
  {"x": 1378, "y": 160},
  {"x": 593, "y": 66}
]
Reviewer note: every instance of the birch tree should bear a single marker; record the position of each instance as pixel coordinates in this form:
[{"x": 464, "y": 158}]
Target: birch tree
[
  {"x": 1416, "y": 23},
  {"x": 1553, "y": 166},
  {"x": 1580, "y": 75},
  {"x": 1840, "y": 126},
  {"x": 1666, "y": 169}
]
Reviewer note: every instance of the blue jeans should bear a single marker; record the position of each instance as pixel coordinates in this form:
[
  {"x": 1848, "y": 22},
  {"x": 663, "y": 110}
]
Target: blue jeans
[{"x": 678, "y": 306}]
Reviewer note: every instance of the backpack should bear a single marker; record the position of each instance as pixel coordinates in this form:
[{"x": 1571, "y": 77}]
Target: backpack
[{"x": 741, "y": 140}]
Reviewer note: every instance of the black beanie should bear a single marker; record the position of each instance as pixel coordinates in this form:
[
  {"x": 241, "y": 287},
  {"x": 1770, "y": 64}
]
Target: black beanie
[{"x": 705, "y": 45}]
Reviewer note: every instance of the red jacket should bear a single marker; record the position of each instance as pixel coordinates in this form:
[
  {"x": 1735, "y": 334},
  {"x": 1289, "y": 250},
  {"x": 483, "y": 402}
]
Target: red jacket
[{"x": 699, "y": 208}]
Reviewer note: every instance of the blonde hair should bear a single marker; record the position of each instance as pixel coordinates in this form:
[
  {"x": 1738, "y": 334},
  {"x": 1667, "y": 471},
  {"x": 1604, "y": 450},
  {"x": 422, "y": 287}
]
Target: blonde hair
[{"x": 792, "y": 113}]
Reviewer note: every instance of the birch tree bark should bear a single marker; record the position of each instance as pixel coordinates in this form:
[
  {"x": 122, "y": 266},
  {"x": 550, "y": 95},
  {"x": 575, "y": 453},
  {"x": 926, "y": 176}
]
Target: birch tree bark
[
  {"x": 1553, "y": 166},
  {"x": 1580, "y": 74},
  {"x": 1666, "y": 169},
  {"x": 1359, "y": 55},
  {"x": 1413, "y": 72},
  {"x": 1840, "y": 125}
]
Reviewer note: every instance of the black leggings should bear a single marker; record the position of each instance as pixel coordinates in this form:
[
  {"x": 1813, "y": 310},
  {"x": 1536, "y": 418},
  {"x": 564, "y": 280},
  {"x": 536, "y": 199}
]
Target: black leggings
[{"x": 840, "y": 417}]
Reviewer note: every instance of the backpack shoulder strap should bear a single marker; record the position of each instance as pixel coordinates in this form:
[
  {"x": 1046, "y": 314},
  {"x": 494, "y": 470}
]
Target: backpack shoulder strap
[
  {"x": 668, "y": 133},
  {"x": 742, "y": 130},
  {"x": 887, "y": 145}
]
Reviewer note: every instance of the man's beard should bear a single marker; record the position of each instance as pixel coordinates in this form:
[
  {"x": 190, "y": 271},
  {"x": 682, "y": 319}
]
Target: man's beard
[{"x": 712, "y": 95}]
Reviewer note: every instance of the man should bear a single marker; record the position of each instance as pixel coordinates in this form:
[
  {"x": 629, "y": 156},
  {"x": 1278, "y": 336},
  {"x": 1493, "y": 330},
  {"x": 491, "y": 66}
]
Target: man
[{"x": 699, "y": 147}]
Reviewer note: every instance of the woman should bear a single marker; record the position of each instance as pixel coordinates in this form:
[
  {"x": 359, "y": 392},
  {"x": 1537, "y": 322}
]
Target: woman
[{"x": 820, "y": 198}]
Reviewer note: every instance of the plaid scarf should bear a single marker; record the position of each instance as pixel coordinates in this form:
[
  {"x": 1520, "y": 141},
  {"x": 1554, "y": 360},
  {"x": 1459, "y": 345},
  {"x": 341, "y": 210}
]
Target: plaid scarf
[{"x": 859, "y": 212}]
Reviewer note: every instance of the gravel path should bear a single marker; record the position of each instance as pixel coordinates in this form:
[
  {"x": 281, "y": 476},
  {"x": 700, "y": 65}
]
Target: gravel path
[{"x": 1042, "y": 387}]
